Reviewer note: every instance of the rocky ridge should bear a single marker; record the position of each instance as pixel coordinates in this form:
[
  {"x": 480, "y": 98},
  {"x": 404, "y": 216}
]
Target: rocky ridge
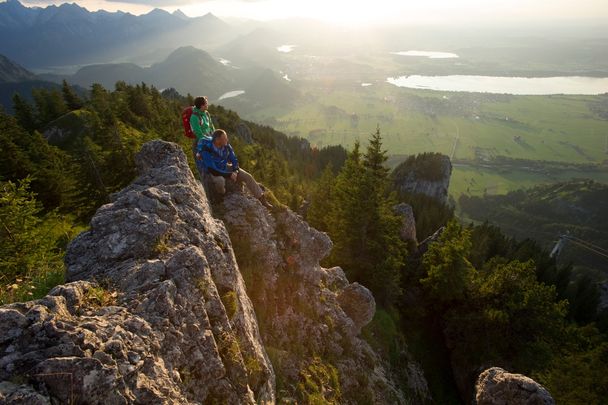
[
  {"x": 497, "y": 386},
  {"x": 157, "y": 310},
  {"x": 309, "y": 317},
  {"x": 427, "y": 174}
]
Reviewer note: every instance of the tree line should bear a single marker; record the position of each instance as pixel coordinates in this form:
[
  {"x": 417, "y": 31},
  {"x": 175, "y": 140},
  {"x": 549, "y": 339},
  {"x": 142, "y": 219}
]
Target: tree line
[{"x": 474, "y": 298}]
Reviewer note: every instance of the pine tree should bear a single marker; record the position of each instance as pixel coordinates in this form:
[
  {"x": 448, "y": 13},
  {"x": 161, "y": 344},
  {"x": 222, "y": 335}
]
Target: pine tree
[
  {"x": 71, "y": 99},
  {"x": 363, "y": 226},
  {"x": 49, "y": 105},
  {"x": 24, "y": 113},
  {"x": 448, "y": 270},
  {"x": 385, "y": 244},
  {"x": 347, "y": 223},
  {"x": 319, "y": 212},
  {"x": 31, "y": 260},
  {"x": 375, "y": 159},
  {"x": 28, "y": 154}
]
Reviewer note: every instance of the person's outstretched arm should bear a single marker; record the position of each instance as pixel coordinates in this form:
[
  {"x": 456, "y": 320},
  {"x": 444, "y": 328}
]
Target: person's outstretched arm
[{"x": 232, "y": 158}]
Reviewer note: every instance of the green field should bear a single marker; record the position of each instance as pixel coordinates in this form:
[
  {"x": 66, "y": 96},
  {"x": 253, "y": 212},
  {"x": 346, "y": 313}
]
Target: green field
[{"x": 474, "y": 129}]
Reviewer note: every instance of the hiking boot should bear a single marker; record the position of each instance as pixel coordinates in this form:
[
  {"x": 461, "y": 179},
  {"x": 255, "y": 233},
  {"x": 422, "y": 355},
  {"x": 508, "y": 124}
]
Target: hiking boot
[{"x": 265, "y": 203}]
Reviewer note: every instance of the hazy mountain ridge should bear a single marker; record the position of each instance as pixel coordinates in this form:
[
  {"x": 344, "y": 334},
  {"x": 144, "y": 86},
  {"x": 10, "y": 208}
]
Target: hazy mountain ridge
[
  {"x": 187, "y": 69},
  {"x": 11, "y": 72},
  {"x": 69, "y": 34}
]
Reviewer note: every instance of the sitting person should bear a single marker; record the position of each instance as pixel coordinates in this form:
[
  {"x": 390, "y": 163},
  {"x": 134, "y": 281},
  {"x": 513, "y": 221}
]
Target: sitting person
[{"x": 216, "y": 154}]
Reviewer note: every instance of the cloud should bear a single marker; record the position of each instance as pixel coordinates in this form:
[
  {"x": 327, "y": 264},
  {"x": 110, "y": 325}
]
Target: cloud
[
  {"x": 169, "y": 3},
  {"x": 155, "y": 3}
]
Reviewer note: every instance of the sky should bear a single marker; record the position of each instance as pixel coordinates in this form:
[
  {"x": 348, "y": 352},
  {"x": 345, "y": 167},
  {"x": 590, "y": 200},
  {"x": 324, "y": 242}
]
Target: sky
[{"x": 351, "y": 12}]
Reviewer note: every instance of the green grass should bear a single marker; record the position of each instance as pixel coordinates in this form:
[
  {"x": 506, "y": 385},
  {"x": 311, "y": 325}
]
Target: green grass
[{"x": 536, "y": 128}]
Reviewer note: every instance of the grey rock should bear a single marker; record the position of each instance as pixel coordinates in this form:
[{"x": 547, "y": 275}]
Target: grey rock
[
  {"x": 408, "y": 222},
  {"x": 603, "y": 303},
  {"x": 496, "y": 386},
  {"x": 244, "y": 133},
  {"x": 409, "y": 181},
  {"x": 21, "y": 394},
  {"x": 358, "y": 303},
  {"x": 156, "y": 310},
  {"x": 305, "y": 312}
]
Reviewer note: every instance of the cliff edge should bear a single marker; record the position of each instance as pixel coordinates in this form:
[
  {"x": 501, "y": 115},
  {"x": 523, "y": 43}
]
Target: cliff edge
[{"x": 157, "y": 310}]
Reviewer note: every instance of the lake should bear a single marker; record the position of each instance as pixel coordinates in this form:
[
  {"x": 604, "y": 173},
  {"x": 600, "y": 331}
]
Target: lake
[
  {"x": 505, "y": 85},
  {"x": 427, "y": 54},
  {"x": 285, "y": 48},
  {"x": 230, "y": 94}
]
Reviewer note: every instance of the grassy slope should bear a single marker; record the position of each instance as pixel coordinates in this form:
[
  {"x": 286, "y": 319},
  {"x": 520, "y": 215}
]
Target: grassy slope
[{"x": 553, "y": 128}]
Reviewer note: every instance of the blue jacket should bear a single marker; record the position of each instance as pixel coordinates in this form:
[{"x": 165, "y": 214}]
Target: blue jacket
[{"x": 215, "y": 160}]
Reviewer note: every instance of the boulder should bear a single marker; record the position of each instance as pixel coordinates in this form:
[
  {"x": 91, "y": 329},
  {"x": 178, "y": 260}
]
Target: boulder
[{"x": 496, "y": 386}]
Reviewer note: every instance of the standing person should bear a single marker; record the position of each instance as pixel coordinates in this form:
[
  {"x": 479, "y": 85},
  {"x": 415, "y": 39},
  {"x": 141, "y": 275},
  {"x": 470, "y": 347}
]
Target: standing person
[
  {"x": 221, "y": 164},
  {"x": 201, "y": 124}
]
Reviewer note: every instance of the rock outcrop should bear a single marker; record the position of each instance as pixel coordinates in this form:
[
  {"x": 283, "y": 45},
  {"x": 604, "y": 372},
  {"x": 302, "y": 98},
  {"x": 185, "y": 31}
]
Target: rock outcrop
[
  {"x": 408, "y": 222},
  {"x": 309, "y": 317},
  {"x": 428, "y": 174},
  {"x": 163, "y": 316},
  {"x": 603, "y": 301},
  {"x": 496, "y": 386},
  {"x": 158, "y": 311}
]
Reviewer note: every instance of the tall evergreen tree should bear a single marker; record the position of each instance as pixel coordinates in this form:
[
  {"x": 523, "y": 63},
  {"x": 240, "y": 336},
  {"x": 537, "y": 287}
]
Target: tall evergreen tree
[
  {"x": 31, "y": 259},
  {"x": 28, "y": 154},
  {"x": 362, "y": 225},
  {"x": 24, "y": 113},
  {"x": 384, "y": 244},
  {"x": 319, "y": 212},
  {"x": 49, "y": 105},
  {"x": 71, "y": 99},
  {"x": 375, "y": 159}
]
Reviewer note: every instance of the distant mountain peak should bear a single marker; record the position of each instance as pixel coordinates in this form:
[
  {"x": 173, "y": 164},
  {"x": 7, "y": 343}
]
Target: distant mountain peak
[
  {"x": 179, "y": 13},
  {"x": 210, "y": 17},
  {"x": 12, "y": 72},
  {"x": 158, "y": 11}
]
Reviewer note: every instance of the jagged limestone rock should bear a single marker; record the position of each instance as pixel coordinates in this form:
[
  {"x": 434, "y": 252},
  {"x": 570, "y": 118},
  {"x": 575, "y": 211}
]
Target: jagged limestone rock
[
  {"x": 428, "y": 175},
  {"x": 21, "y": 394},
  {"x": 310, "y": 317},
  {"x": 244, "y": 133},
  {"x": 496, "y": 386},
  {"x": 178, "y": 327},
  {"x": 358, "y": 303},
  {"x": 603, "y": 302},
  {"x": 156, "y": 310},
  {"x": 408, "y": 222}
]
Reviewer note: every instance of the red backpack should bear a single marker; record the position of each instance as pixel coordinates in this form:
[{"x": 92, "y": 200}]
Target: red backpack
[{"x": 186, "y": 114}]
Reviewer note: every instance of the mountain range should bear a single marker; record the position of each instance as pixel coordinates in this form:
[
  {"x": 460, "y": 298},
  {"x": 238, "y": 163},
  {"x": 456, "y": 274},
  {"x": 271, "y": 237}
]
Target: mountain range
[
  {"x": 187, "y": 69},
  {"x": 71, "y": 35}
]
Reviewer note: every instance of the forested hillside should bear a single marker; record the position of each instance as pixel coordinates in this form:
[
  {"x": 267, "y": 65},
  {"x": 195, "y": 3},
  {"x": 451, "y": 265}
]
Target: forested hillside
[{"x": 473, "y": 298}]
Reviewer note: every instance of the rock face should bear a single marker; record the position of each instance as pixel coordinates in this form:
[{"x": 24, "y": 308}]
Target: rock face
[
  {"x": 309, "y": 316},
  {"x": 496, "y": 386},
  {"x": 603, "y": 304},
  {"x": 408, "y": 222},
  {"x": 158, "y": 311},
  {"x": 427, "y": 174},
  {"x": 69, "y": 127},
  {"x": 177, "y": 327},
  {"x": 244, "y": 133}
]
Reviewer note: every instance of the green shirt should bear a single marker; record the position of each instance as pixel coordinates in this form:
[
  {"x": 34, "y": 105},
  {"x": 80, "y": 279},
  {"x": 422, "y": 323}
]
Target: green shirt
[{"x": 201, "y": 123}]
